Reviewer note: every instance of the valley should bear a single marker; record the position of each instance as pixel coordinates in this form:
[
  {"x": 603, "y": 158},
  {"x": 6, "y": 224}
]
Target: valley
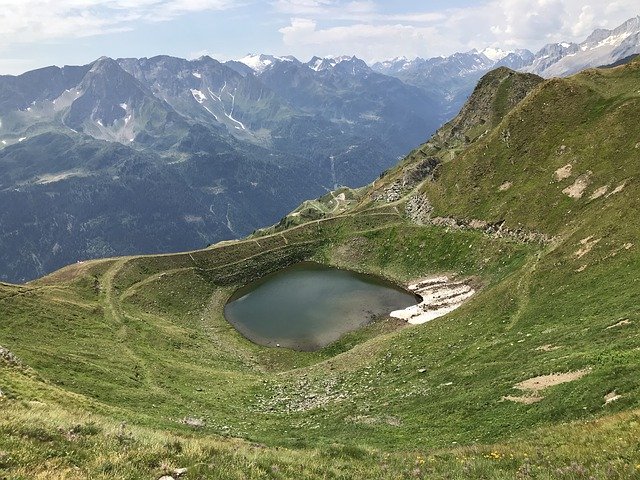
[
  {"x": 125, "y": 156},
  {"x": 126, "y": 366}
]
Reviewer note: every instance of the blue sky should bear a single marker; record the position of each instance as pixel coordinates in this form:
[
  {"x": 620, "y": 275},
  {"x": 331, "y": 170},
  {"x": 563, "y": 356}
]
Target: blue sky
[{"x": 36, "y": 33}]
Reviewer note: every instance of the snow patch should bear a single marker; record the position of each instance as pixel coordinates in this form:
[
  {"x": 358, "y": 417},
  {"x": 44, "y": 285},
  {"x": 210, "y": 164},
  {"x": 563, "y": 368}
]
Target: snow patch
[
  {"x": 213, "y": 95},
  {"x": 440, "y": 296},
  {"x": 197, "y": 75},
  {"x": 214, "y": 115},
  {"x": 198, "y": 95},
  {"x": 495, "y": 54},
  {"x": 259, "y": 63},
  {"x": 58, "y": 177}
]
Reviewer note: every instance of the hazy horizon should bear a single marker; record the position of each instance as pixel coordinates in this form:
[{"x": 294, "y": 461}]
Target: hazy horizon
[{"x": 73, "y": 32}]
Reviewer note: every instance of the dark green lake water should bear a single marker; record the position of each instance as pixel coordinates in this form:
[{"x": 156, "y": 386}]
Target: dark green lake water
[{"x": 308, "y": 306}]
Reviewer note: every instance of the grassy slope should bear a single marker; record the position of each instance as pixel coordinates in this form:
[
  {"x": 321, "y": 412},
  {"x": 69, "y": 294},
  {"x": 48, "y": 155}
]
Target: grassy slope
[{"x": 143, "y": 340}]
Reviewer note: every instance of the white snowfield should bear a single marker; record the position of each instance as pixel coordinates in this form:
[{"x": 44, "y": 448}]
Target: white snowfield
[
  {"x": 259, "y": 63},
  {"x": 440, "y": 296},
  {"x": 201, "y": 98},
  {"x": 198, "y": 95},
  {"x": 603, "y": 47}
]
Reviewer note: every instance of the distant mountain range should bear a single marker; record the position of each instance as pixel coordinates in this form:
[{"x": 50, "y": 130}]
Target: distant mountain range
[
  {"x": 164, "y": 154},
  {"x": 453, "y": 78},
  {"x": 160, "y": 154}
]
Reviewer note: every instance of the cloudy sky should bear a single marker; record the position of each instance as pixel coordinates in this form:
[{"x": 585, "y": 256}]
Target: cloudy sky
[{"x": 36, "y": 33}]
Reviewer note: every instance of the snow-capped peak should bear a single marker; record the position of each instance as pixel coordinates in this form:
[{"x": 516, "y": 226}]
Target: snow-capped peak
[
  {"x": 318, "y": 64},
  {"x": 259, "y": 62},
  {"x": 495, "y": 54}
]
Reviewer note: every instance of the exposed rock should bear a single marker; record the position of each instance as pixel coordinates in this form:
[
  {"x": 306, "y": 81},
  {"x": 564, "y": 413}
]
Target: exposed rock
[
  {"x": 415, "y": 174},
  {"x": 505, "y": 186},
  {"x": 587, "y": 245},
  {"x": 419, "y": 209},
  {"x": 576, "y": 190},
  {"x": 611, "y": 397},
  {"x": 618, "y": 189},
  {"x": 391, "y": 194},
  {"x": 600, "y": 192},
  {"x": 563, "y": 172},
  {"x": 478, "y": 225},
  {"x": 296, "y": 398},
  {"x": 9, "y": 357},
  {"x": 412, "y": 176},
  {"x": 621, "y": 323},
  {"x": 495, "y": 95},
  {"x": 193, "y": 422},
  {"x": 496, "y": 230}
]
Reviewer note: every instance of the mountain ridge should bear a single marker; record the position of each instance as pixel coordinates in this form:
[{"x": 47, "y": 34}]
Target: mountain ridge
[
  {"x": 544, "y": 350},
  {"x": 214, "y": 135}
]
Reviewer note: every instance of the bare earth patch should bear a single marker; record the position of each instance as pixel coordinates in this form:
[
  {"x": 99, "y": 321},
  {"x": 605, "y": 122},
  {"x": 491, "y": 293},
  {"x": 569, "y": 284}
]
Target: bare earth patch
[
  {"x": 587, "y": 245},
  {"x": 618, "y": 189},
  {"x": 600, "y": 192},
  {"x": 537, "y": 384},
  {"x": 534, "y": 386},
  {"x": 611, "y": 397},
  {"x": 548, "y": 348},
  {"x": 505, "y": 186},
  {"x": 563, "y": 173},
  {"x": 576, "y": 190},
  {"x": 621, "y": 323}
]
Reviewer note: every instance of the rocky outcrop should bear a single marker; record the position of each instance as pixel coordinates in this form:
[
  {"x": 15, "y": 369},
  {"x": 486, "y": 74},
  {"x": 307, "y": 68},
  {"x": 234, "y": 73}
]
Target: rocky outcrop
[
  {"x": 495, "y": 95},
  {"x": 411, "y": 177},
  {"x": 496, "y": 229},
  {"x": 8, "y": 357},
  {"x": 418, "y": 210}
]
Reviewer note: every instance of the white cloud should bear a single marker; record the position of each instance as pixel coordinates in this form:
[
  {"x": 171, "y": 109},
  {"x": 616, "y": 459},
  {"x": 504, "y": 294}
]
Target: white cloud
[
  {"x": 31, "y": 21},
  {"x": 504, "y": 23},
  {"x": 364, "y": 40}
]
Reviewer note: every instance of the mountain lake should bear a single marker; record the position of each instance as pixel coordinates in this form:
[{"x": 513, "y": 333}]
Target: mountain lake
[{"x": 308, "y": 306}]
